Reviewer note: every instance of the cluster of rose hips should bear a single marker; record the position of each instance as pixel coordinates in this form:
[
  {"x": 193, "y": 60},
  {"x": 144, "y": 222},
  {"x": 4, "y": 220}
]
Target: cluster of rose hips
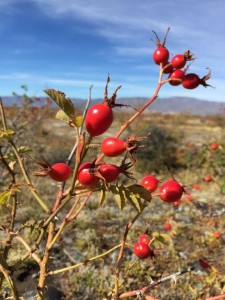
[
  {"x": 142, "y": 249},
  {"x": 169, "y": 191},
  {"x": 90, "y": 173},
  {"x": 99, "y": 118},
  {"x": 174, "y": 67}
]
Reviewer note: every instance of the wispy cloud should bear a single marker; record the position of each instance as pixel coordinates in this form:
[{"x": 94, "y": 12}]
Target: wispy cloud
[
  {"x": 127, "y": 27},
  {"x": 15, "y": 75}
]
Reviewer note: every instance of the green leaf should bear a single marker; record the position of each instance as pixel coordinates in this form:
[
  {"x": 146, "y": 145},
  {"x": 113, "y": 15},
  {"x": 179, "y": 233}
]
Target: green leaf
[
  {"x": 161, "y": 239},
  {"x": 134, "y": 199},
  {"x": 223, "y": 189},
  {"x": 78, "y": 121},
  {"x": 6, "y": 133},
  {"x": 140, "y": 191},
  {"x": 11, "y": 155},
  {"x": 119, "y": 195},
  {"x": 24, "y": 149},
  {"x": 4, "y": 197},
  {"x": 60, "y": 115},
  {"x": 135, "y": 193},
  {"x": 64, "y": 103}
]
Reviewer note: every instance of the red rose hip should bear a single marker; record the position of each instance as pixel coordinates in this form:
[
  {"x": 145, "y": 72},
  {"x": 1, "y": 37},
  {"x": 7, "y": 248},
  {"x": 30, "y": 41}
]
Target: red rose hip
[
  {"x": 113, "y": 147},
  {"x": 60, "y": 172},
  {"x": 85, "y": 176},
  {"x": 144, "y": 238},
  {"x": 170, "y": 191},
  {"x": 150, "y": 182},
  {"x": 98, "y": 119},
  {"x": 176, "y": 77},
  {"x": 161, "y": 55},
  {"x": 142, "y": 250}
]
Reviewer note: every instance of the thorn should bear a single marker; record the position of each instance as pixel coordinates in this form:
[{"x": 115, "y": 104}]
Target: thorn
[
  {"x": 174, "y": 278},
  {"x": 138, "y": 294},
  {"x": 151, "y": 281}
]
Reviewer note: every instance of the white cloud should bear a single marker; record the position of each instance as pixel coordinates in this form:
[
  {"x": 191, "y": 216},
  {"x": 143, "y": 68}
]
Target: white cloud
[
  {"x": 127, "y": 25},
  {"x": 15, "y": 75}
]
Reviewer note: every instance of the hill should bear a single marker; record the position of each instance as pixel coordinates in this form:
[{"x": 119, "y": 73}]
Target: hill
[{"x": 172, "y": 105}]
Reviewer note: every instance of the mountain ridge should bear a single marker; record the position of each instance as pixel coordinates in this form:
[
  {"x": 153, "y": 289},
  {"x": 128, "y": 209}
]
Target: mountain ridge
[{"x": 171, "y": 105}]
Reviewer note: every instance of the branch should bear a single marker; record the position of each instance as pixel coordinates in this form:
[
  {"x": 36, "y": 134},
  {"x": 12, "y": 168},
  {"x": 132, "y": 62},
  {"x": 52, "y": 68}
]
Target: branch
[
  {"x": 120, "y": 257},
  {"x": 84, "y": 262},
  {"x": 154, "y": 283}
]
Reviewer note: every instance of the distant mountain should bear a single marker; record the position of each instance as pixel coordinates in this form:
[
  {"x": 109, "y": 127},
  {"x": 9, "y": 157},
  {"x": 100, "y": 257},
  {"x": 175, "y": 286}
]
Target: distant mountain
[{"x": 172, "y": 105}]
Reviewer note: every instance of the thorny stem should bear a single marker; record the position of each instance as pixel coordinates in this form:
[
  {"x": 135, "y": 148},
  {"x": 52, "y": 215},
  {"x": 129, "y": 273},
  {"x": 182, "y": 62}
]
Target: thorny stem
[
  {"x": 222, "y": 296},
  {"x": 23, "y": 242},
  {"x": 33, "y": 249},
  {"x": 77, "y": 164},
  {"x": 81, "y": 128},
  {"x": 154, "y": 283},
  {"x": 139, "y": 111},
  {"x": 64, "y": 223},
  {"x": 52, "y": 239},
  {"x": 54, "y": 213},
  {"x": 4, "y": 268},
  {"x": 70, "y": 157},
  {"x": 120, "y": 257},
  {"x": 14, "y": 203},
  {"x": 43, "y": 264}
]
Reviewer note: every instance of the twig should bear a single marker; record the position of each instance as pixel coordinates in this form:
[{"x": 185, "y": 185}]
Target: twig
[
  {"x": 81, "y": 127},
  {"x": 4, "y": 268},
  {"x": 154, "y": 283},
  {"x": 43, "y": 264},
  {"x": 84, "y": 262},
  {"x": 222, "y": 296},
  {"x": 23, "y": 242},
  {"x": 119, "y": 260}
]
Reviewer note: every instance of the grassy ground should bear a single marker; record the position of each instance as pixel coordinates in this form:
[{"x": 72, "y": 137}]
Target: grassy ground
[{"x": 185, "y": 140}]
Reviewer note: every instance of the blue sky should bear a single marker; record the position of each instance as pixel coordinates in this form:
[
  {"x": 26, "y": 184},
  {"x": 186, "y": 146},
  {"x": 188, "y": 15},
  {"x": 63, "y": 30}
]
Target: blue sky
[{"x": 71, "y": 44}]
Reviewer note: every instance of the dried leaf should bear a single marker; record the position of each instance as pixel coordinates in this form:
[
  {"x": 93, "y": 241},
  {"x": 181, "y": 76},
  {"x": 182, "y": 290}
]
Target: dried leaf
[
  {"x": 102, "y": 196},
  {"x": 60, "y": 115},
  {"x": 64, "y": 103},
  {"x": 6, "y": 133}
]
